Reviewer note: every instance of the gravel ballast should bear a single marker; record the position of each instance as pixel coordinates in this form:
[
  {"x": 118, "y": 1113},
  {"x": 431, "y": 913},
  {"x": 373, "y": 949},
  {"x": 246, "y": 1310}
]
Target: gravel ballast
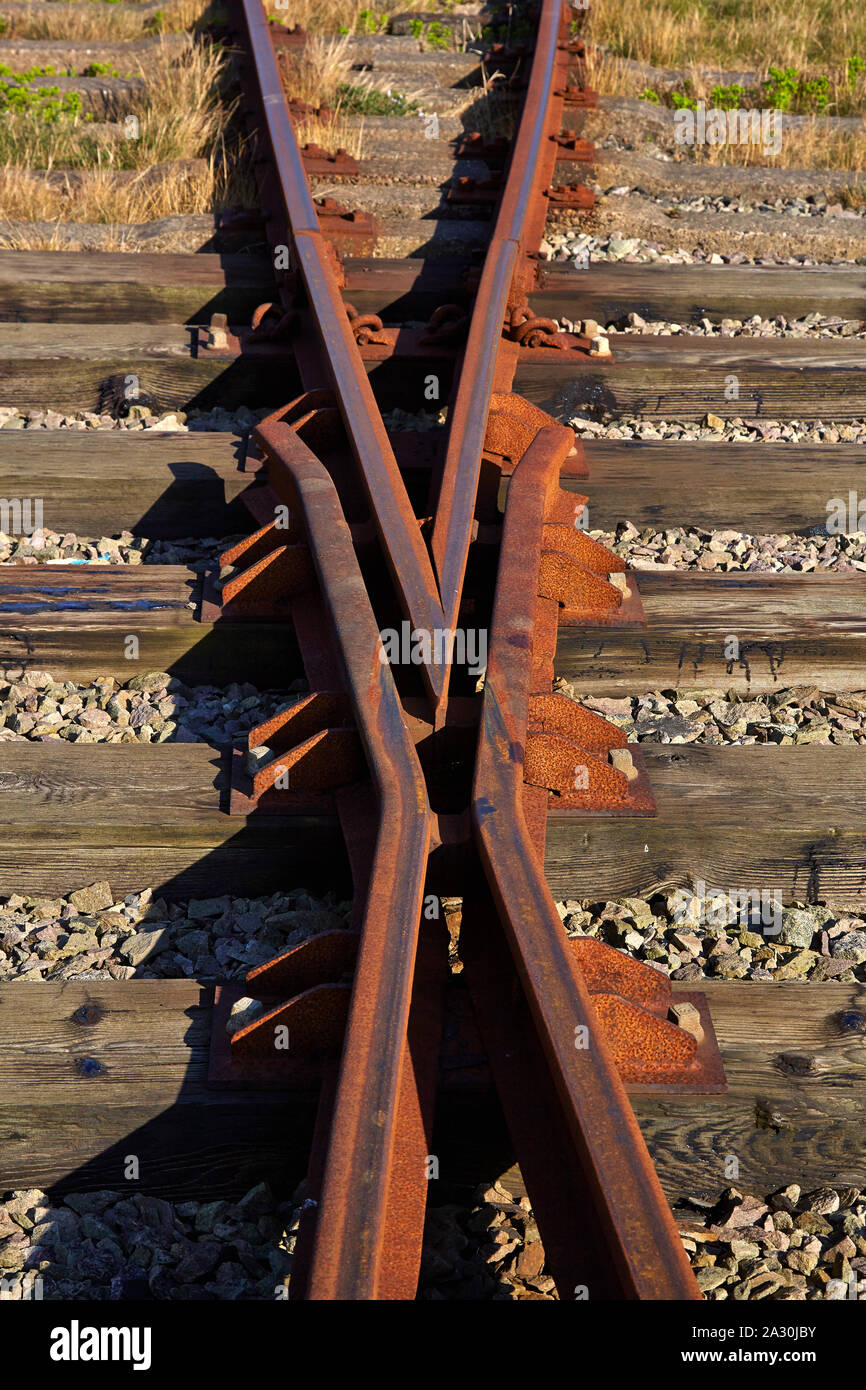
[
  {"x": 44, "y": 547},
  {"x": 150, "y": 708},
  {"x": 136, "y": 417},
  {"x": 587, "y": 247},
  {"x": 786, "y": 1246},
  {"x": 723, "y": 552},
  {"x": 120, "y": 1245},
  {"x": 91, "y": 935},
  {"x": 736, "y": 430}
]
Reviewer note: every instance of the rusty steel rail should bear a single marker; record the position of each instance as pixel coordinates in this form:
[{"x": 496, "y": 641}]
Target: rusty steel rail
[
  {"x": 633, "y": 1213},
  {"x": 503, "y": 283},
  {"x": 564, "y": 1022},
  {"x": 351, "y": 1245},
  {"x": 408, "y": 561}
]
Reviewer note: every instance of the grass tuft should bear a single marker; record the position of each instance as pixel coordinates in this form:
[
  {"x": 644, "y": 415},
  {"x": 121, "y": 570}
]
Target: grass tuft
[
  {"x": 733, "y": 33},
  {"x": 105, "y": 22},
  {"x": 180, "y": 116}
]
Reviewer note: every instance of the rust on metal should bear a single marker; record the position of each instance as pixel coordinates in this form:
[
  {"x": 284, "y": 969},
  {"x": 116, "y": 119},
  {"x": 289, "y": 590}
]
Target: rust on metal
[
  {"x": 364, "y": 1176},
  {"x": 326, "y": 957},
  {"x": 632, "y": 1210},
  {"x": 448, "y": 324},
  {"x": 578, "y": 96},
  {"x": 318, "y": 160},
  {"x": 564, "y": 1023},
  {"x": 574, "y": 195},
  {"x": 504, "y": 283},
  {"x": 468, "y": 190},
  {"x": 569, "y": 145},
  {"x": 271, "y": 323},
  {"x": 409, "y": 564},
  {"x": 366, "y": 328},
  {"x": 312, "y": 1024},
  {"x": 283, "y": 37}
]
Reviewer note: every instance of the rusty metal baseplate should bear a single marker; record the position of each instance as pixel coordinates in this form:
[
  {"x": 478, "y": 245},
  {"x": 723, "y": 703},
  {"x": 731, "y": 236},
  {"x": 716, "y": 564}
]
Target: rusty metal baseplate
[
  {"x": 351, "y": 231},
  {"x": 469, "y": 191},
  {"x": 227, "y": 1070},
  {"x": 475, "y": 146},
  {"x": 258, "y": 579},
  {"x": 283, "y": 37},
  {"x": 571, "y": 147},
  {"x": 311, "y": 747},
  {"x": 653, "y": 1050},
  {"x": 317, "y": 160},
  {"x": 585, "y": 763},
  {"x": 574, "y": 195},
  {"x": 662, "y": 1043},
  {"x": 578, "y": 96}
]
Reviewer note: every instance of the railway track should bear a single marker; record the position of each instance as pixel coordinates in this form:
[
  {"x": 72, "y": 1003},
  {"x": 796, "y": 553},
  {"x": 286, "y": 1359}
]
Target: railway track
[{"x": 426, "y": 591}]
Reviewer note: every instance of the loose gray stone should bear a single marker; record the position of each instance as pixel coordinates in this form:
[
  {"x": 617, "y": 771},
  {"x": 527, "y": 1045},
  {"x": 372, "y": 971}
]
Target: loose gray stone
[{"x": 144, "y": 945}]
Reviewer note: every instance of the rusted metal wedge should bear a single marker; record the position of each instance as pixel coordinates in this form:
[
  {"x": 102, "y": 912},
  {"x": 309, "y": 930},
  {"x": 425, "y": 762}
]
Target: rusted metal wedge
[
  {"x": 511, "y": 428},
  {"x": 571, "y": 541},
  {"x": 374, "y": 1182},
  {"x": 631, "y": 1001},
  {"x": 253, "y": 547},
  {"x": 557, "y": 714},
  {"x": 513, "y": 404},
  {"x": 562, "y": 765},
  {"x": 644, "y": 1048},
  {"x": 279, "y": 576},
  {"x": 630, "y": 1205},
  {"x": 309, "y": 715},
  {"x": 329, "y": 758},
  {"x": 320, "y": 959},
  {"x": 303, "y": 407},
  {"x": 507, "y": 436},
  {"x": 573, "y": 586},
  {"x": 608, "y": 971},
  {"x": 315, "y": 1020}
]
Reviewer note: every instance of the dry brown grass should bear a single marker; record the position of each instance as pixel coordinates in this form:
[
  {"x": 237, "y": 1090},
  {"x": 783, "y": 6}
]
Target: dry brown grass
[
  {"x": 118, "y": 197},
  {"x": 608, "y": 75},
  {"x": 89, "y": 20},
  {"x": 34, "y": 238},
  {"x": 181, "y": 115},
  {"x": 337, "y": 133},
  {"x": 314, "y": 74},
  {"x": 813, "y": 145},
  {"x": 100, "y": 195},
  {"x": 733, "y": 33},
  {"x": 329, "y": 16}
]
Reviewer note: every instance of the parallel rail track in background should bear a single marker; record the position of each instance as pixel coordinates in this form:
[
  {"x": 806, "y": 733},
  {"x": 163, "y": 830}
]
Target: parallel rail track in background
[{"x": 442, "y": 784}]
